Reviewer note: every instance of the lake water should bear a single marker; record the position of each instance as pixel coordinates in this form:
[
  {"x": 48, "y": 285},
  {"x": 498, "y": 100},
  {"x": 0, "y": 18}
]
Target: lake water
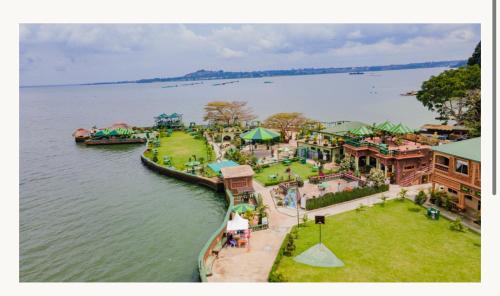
[{"x": 96, "y": 214}]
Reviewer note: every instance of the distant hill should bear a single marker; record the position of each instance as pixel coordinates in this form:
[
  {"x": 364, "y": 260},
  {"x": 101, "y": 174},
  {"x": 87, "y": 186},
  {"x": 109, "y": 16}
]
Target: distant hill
[{"x": 220, "y": 74}]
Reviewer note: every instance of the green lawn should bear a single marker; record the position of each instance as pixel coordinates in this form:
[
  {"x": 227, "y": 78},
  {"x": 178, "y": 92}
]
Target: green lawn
[
  {"x": 303, "y": 170},
  {"x": 180, "y": 146},
  {"x": 388, "y": 244}
]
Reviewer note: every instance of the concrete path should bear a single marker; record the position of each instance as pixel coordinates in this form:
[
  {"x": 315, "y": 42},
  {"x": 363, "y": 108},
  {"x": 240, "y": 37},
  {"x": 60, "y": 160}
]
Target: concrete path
[{"x": 254, "y": 263}]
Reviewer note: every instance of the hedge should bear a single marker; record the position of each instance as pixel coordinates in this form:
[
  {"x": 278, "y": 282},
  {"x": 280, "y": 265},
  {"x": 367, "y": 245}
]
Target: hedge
[
  {"x": 338, "y": 197},
  {"x": 273, "y": 275},
  {"x": 273, "y": 182}
]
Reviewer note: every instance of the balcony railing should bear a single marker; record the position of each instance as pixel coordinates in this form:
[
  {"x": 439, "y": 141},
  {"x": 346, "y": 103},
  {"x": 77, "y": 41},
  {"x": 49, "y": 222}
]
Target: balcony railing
[{"x": 381, "y": 148}]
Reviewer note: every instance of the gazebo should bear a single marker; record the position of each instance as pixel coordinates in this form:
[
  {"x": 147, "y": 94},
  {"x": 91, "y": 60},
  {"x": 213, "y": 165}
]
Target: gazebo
[
  {"x": 172, "y": 121},
  {"x": 260, "y": 134}
]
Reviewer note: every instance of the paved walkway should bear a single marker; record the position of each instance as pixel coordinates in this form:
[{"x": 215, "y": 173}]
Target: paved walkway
[{"x": 254, "y": 263}]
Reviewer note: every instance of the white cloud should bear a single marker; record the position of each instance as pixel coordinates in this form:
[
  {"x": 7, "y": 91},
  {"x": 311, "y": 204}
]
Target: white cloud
[{"x": 110, "y": 52}]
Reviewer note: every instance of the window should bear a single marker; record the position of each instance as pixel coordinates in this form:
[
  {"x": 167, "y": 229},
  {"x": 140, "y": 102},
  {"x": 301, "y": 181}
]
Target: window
[
  {"x": 462, "y": 167},
  {"x": 468, "y": 197},
  {"x": 408, "y": 167},
  {"x": 452, "y": 191},
  {"x": 441, "y": 160},
  {"x": 479, "y": 205}
]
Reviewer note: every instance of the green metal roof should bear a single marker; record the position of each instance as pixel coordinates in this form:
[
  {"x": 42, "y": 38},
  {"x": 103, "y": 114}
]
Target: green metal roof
[
  {"x": 468, "y": 149},
  {"x": 343, "y": 128}
]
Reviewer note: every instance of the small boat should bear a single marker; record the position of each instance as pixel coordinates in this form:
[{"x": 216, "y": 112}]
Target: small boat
[
  {"x": 81, "y": 135},
  {"x": 114, "y": 141},
  {"x": 410, "y": 93},
  {"x": 268, "y": 82},
  {"x": 356, "y": 73}
]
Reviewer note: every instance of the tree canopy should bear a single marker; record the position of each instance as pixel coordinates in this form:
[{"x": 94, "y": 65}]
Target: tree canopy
[
  {"x": 448, "y": 93},
  {"x": 475, "y": 59},
  {"x": 228, "y": 113},
  {"x": 286, "y": 123}
]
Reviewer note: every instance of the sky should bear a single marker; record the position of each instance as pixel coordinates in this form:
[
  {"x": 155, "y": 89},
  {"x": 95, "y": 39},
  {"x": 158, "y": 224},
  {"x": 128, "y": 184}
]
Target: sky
[{"x": 83, "y": 53}]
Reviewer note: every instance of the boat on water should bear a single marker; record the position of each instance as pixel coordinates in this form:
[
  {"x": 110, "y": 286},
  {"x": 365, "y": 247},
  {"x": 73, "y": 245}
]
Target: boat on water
[
  {"x": 356, "y": 73},
  {"x": 114, "y": 141},
  {"x": 81, "y": 135},
  {"x": 224, "y": 83},
  {"x": 268, "y": 82},
  {"x": 118, "y": 133},
  {"x": 409, "y": 94}
]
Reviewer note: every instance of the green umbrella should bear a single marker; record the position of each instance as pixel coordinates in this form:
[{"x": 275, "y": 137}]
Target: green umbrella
[
  {"x": 401, "y": 129},
  {"x": 361, "y": 131},
  {"x": 114, "y": 132},
  {"x": 259, "y": 134},
  {"x": 385, "y": 126},
  {"x": 324, "y": 185},
  {"x": 243, "y": 207}
]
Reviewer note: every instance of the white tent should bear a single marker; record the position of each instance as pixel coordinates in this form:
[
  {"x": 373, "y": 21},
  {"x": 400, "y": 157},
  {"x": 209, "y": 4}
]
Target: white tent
[{"x": 237, "y": 223}]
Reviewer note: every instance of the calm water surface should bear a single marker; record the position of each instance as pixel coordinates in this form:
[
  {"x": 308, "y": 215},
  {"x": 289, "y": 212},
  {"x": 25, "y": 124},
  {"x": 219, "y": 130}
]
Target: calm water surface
[{"x": 96, "y": 214}]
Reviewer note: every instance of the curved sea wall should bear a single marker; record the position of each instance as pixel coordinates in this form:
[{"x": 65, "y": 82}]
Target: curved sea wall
[
  {"x": 214, "y": 184},
  {"x": 213, "y": 241},
  {"x": 217, "y": 185}
]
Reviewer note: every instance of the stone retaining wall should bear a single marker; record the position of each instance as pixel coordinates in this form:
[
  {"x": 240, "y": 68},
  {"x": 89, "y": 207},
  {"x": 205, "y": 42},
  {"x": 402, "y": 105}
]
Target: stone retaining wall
[{"x": 214, "y": 183}]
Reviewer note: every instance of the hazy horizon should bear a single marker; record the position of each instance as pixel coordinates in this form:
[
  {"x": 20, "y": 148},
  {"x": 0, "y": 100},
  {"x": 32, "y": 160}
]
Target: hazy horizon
[{"x": 56, "y": 54}]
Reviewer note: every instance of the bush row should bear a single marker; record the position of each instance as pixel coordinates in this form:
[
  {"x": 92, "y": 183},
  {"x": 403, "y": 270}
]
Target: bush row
[
  {"x": 274, "y": 275},
  {"x": 338, "y": 197}
]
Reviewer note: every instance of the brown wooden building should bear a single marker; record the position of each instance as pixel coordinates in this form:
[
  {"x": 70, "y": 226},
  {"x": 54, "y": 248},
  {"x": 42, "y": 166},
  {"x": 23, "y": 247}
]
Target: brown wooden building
[
  {"x": 406, "y": 163},
  {"x": 457, "y": 170},
  {"x": 238, "y": 179}
]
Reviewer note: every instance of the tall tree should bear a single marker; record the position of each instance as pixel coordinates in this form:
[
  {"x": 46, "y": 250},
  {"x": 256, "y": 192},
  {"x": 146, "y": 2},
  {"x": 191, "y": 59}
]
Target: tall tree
[
  {"x": 448, "y": 93},
  {"x": 472, "y": 118},
  {"x": 228, "y": 113},
  {"x": 286, "y": 123},
  {"x": 475, "y": 59}
]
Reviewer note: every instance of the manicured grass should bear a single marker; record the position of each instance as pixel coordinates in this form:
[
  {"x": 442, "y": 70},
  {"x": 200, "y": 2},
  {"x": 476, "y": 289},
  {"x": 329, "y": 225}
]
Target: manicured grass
[
  {"x": 180, "y": 146},
  {"x": 303, "y": 170},
  {"x": 388, "y": 243}
]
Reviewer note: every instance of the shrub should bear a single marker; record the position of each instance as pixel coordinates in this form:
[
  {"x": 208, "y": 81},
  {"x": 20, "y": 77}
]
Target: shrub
[
  {"x": 376, "y": 176},
  {"x": 420, "y": 198},
  {"x": 338, "y": 197},
  {"x": 272, "y": 182},
  {"x": 457, "y": 225},
  {"x": 383, "y": 198},
  {"x": 300, "y": 182},
  {"x": 402, "y": 194},
  {"x": 276, "y": 277},
  {"x": 305, "y": 218},
  {"x": 346, "y": 164},
  {"x": 289, "y": 247}
]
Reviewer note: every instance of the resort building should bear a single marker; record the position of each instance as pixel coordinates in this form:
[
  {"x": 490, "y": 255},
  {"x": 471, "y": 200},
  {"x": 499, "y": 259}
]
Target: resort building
[
  {"x": 172, "y": 121},
  {"x": 326, "y": 144},
  {"x": 404, "y": 162},
  {"x": 457, "y": 171},
  {"x": 238, "y": 179},
  {"x": 444, "y": 132}
]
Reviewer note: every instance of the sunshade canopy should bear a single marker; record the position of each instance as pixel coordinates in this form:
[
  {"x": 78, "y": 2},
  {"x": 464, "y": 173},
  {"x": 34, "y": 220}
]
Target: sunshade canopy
[
  {"x": 361, "y": 131},
  {"x": 260, "y": 134},
  {"x": 401, "y": 129},
  {"x": 238, "y": 223},
  {"x": 385, "y": 126}
]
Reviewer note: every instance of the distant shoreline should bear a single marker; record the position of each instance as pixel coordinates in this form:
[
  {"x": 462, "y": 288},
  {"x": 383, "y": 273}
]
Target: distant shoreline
[{"x": 221, "y": 75}]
